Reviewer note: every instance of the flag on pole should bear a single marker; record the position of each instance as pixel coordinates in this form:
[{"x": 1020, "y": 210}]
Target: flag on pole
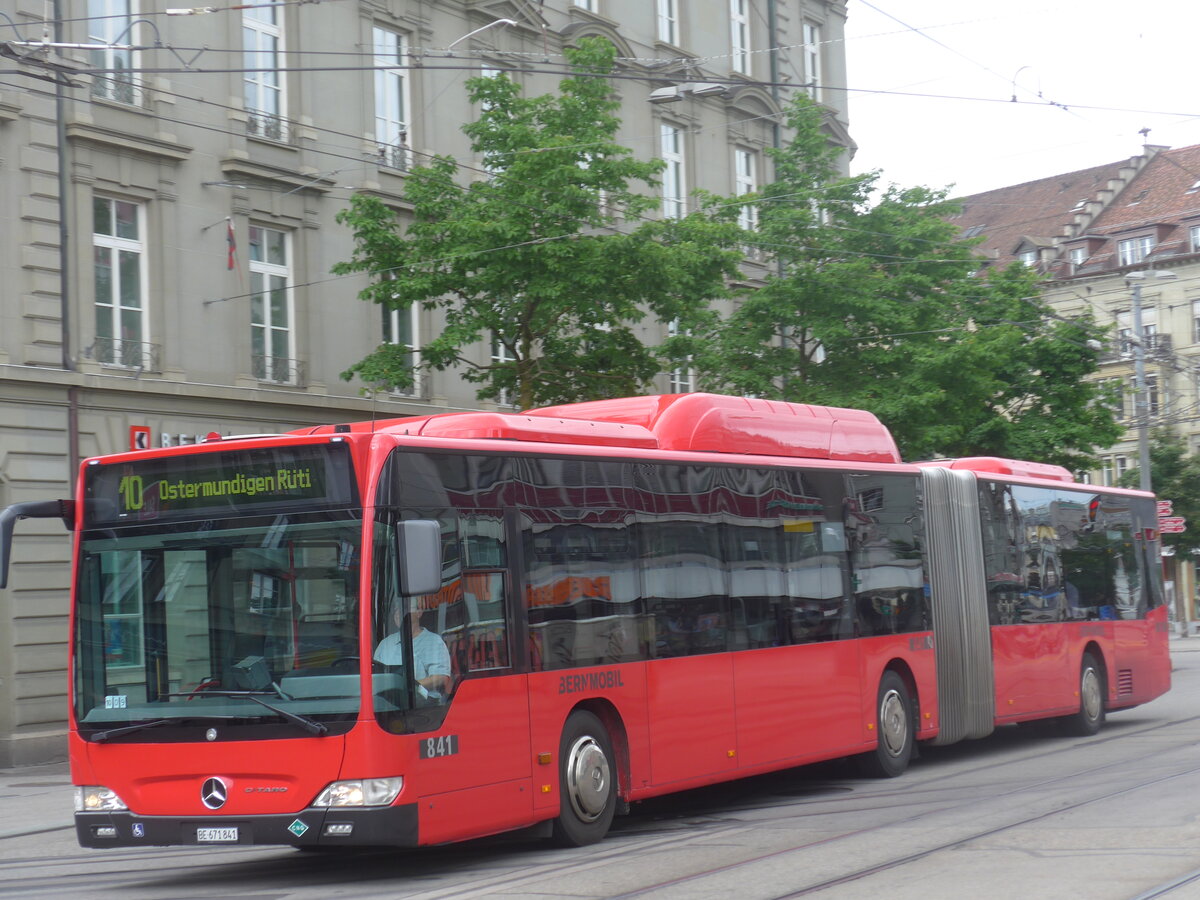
[{"x": 231, "y": 241}]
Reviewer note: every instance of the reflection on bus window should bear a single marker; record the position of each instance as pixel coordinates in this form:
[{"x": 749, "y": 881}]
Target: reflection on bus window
[{"x": 1054, "y": 555}]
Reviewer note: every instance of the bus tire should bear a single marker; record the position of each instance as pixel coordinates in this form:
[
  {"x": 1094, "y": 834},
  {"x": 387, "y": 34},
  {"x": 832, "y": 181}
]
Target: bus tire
[
  {"x": 1092, "y": 691},
  {"x": 587, "y": 782},
  {"x": 894, "y": 724}
]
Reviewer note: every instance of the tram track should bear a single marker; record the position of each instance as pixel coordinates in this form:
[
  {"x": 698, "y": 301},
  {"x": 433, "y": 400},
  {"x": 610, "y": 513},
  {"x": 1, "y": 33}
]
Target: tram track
[
  {"x": 1189, "y": 880},
  {"x": 909, "y": 858},
  {"x": 903, "y": 795},
  {"x": 979, "y": 835},
  {"x": 719, "y": 827},
  {"x": 469, "y": 870}
]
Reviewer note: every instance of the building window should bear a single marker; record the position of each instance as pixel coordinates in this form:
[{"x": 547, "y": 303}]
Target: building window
[
  {"x": 589, "y": 5},
  {"x": 1149, "y": 330},
  {"x": 812, "y": 58},
  {"x": 1120, "y": 467},
  {"x": 1134, "y": 250},
  {"x": 668, "y": 21},
  {"x": 1028, "y": 257},
  {"x": 272, "y": 341},
  {"x": 745, "y": 181},
  {"x": 680, "y": 381},
  {"x": 391, "y": 97},
  {"x": 118, "y": 267},
  {"x": 500, "y": 357},
  {"x": 1077, "y": 256},
  {"x": 1112, "y": 468},
  {"x": 262, "y": 47},
  {"x": 1194, "y": 233},
  {"x": 400, "y": 327},
  {"x": 1115, "y": 389},
  {"x": 491, "y": 163},
  {"x": 111, "y": 22},
  {"x": 1155, "y": 400},
  {"x": 673, "y": 175},
  {"x": 739, "y": 35}
]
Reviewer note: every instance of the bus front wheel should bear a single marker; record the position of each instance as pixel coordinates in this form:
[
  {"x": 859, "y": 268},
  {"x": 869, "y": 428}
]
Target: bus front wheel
[
  {"x": 894, "y": 725},
  {"x": 1092, "y": 690},
  {"x": 587, "y": 782}
]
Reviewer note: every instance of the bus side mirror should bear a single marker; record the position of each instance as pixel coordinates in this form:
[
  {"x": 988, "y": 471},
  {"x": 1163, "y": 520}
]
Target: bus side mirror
[
  {"x": 419, "y": 549},
  {"x": 40, "y": 509}
]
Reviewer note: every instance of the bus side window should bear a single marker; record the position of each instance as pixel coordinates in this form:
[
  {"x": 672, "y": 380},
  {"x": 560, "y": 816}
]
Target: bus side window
[
  {"x": 887, "y": 555},
  {"x": 579, "y": 595},
  {"x": 472, "y": 617}
]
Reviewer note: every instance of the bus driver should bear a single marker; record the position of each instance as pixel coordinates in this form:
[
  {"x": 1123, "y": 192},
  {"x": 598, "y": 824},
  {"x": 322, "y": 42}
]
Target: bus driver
[{"x": 432, "y": 660}]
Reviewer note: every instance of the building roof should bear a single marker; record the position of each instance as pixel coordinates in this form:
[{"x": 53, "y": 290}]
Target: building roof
[
  {"x": 1038, "y": 213},
  {"x": 1153, "y": 198},
  {"x": 1162, "y": 202}
]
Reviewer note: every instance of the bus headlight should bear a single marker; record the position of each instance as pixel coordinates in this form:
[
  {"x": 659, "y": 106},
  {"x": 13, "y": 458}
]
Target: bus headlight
[
  {"x": 360, "y": 792},
  {"x": 95, "y": 798}
]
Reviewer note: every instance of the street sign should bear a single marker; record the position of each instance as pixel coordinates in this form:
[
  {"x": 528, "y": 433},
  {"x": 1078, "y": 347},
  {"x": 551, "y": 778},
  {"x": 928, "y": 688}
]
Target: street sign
[
  {"x": 1172, "y": 524},
  {"x": 139, "y": 438},
  {"x": 1164, "y": 508}
]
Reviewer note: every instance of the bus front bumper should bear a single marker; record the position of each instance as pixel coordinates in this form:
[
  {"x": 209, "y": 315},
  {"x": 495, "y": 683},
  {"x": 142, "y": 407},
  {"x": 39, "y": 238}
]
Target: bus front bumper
[{"x": 391, "y": 826}]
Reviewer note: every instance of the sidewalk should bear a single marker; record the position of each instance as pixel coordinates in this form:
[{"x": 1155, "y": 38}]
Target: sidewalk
[
  {"x": 1181, "y": 644},
  {"x": 36, "y": 799}
]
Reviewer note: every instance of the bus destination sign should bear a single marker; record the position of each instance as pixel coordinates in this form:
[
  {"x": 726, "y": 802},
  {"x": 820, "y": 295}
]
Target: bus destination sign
[{"x": 219, "y": 483}]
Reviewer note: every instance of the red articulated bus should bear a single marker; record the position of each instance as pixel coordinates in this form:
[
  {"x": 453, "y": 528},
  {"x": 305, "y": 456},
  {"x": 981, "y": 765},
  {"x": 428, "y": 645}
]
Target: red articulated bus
[{"x": 437, "y": 628}]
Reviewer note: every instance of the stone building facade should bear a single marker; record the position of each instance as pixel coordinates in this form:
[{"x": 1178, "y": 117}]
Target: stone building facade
[{"x": 168, "y": 197}]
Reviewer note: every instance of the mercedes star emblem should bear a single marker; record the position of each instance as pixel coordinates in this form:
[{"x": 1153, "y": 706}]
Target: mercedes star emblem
[{"x": 213, "y": 793}]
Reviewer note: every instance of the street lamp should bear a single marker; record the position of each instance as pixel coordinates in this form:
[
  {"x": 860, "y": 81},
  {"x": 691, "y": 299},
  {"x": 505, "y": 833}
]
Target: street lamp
[
  {"x": 477, "y": 30},
  {"x": 1141, "y": 405}
]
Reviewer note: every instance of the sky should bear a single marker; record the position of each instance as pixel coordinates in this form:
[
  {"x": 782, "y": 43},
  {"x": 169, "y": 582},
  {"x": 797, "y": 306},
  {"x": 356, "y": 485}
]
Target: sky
[{"x": 931, "y": 86}]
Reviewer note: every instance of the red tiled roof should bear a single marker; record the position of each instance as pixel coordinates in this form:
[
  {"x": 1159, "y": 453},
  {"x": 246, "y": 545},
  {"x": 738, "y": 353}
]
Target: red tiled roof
[
  {"x": 1158, "y": 195},
  {"x": 1037, "y": 210},
  {"x": 1162, "y": 201}
]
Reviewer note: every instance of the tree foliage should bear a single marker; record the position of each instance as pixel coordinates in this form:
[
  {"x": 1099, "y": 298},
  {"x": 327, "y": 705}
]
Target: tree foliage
[
  {"x": 529, "y": 258},
  {"x": 874, "y": 302}
]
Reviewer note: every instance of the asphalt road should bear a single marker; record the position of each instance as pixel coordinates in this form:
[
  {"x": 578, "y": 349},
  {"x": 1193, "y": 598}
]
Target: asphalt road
[{"x": 1024, "y": 815}]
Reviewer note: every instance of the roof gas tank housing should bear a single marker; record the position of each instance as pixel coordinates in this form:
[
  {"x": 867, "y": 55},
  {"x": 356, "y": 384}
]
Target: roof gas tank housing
[
  {"x": 715, "y": 423},
  {"x": 995, "y": 465}
]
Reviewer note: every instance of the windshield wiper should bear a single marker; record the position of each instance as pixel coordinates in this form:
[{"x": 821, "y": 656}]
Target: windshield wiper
[
  {"x": 130, "y": 729},
  {"x": 312, "y": 726},
  {"x": 153, "y": 723}
]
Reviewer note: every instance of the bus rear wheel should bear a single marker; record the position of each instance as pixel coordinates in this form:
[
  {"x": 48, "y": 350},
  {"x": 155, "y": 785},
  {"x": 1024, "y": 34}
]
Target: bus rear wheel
[
  {"x": 894, "y": 725},
  {"x": 1092, "y": 691},
  {"x": 587, "y": 782}
]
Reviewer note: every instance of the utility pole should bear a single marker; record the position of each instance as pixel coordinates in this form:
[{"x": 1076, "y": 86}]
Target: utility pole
[
  {"x": 1141, "y": 402},
  {"x": 1141, "y": 399}
]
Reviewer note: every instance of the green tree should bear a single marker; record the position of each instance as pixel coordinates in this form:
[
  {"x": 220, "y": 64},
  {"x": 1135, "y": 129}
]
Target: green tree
[
  {"x": 530, "y": 258},
  {"x": 1174, "y": 476},
  {"x": 875, "y": 302}
]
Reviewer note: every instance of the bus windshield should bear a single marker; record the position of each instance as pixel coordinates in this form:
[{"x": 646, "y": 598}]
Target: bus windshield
[
  {"x": 228, "y": 619},
  {"x": 218, "y": 592}
]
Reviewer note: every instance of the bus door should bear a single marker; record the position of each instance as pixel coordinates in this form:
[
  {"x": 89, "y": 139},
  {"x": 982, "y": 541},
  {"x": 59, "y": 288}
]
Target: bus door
[
  {"x": 469, "y": 726},
  {"x": 789, "y": 585},
  {"x": 1140, "y": 623}
]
